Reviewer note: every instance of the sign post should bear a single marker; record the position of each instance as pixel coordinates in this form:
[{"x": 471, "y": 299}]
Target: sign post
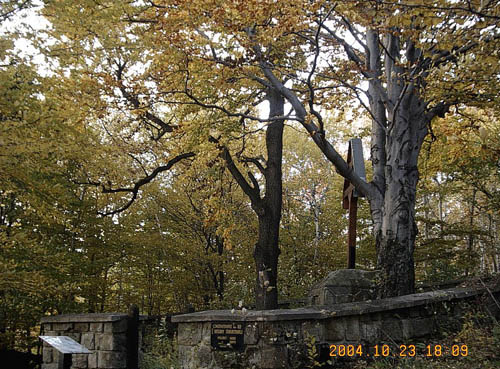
[
  {"x": 66, "y": 347},
  {"x": 356, "y": 161}
]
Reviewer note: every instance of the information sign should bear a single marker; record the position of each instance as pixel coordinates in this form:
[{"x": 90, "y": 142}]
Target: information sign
[{"x": 227, "y": 335}]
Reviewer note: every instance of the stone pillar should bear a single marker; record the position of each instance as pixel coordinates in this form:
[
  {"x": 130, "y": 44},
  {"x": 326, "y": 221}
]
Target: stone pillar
[{"x": 103, "y": 334}]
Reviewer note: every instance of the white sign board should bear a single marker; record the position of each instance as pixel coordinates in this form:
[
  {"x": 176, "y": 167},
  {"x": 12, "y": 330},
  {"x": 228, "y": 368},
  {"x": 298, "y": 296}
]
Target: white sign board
[{"x": 65, "y": 345}]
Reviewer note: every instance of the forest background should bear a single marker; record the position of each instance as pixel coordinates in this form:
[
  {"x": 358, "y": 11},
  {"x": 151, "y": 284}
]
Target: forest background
[{"x": 69, "y": 134}]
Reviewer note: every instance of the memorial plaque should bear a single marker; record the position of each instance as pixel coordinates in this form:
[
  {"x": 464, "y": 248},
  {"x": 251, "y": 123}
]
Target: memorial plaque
[
  {"x": 227, "y": 336},
  {"x": 65, "y": 345}
]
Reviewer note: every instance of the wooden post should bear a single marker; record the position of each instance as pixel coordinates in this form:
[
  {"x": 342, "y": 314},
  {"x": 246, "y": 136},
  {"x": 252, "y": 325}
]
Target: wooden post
[
  {"x": 351, "y": 239},
  {"x": 133, "y": 337}
]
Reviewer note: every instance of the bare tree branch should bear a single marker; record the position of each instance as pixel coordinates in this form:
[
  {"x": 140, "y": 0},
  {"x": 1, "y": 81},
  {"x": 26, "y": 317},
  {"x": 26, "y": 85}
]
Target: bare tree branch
[
  {"x": 352, "y": 55},
  {"x": 335, "y": 158},
  {"x": 252, "y": 192},
  {"x": 137, "y": 186},
  {"x": 256, "y": 162},
  {"x": 163, "y": 127}
]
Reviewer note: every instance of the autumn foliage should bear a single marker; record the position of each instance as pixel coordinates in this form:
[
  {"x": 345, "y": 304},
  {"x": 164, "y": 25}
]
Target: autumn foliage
[{"x": 178, "y": 154}]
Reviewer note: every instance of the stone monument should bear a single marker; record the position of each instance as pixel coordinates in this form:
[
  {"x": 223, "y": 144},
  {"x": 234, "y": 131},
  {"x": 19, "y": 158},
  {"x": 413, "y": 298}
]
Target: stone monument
[{"x": 344, "y": 285}]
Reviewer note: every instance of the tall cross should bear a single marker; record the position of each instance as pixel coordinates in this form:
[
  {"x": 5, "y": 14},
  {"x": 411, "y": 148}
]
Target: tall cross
[{"x": 356, "y": 161}]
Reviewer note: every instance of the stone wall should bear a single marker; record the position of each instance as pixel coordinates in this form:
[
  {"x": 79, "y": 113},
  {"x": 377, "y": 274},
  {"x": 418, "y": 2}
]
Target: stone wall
[
  {"x": 276, "y": 338},
  {"x": 105, "y": 335}
]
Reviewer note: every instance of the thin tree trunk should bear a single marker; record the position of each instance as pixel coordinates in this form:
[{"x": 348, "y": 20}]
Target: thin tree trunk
[
  {"x": 470, "y": 240},
  {"x": 427, "y": 229}
]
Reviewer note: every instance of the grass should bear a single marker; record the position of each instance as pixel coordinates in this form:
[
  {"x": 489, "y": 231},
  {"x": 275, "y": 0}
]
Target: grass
[{"x": 160, "y": 350}]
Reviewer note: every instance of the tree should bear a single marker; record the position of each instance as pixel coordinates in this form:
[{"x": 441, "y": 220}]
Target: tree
[
  {"x": 458, "y": 205},
  {"x": 39, "y": 209},
  {"x": 48, "y": 223},
  {"x": 118, "y": 78},
  {"x": 220, "y": 60},
  {"x": 396, "y": 55}
]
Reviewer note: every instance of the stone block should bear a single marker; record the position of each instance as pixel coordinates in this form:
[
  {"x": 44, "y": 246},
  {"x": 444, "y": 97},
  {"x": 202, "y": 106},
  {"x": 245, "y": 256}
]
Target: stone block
[
  {"x": 407, "y": 329},
  {"x": 189, "y": 333},
  {"x": 55, "y": 356},
  {"x": 118, "y": 326},
  {"x": 331, "y": 299},
  {"x": 336, "y": 295},
  {"x": 92, "y": 361},
  {"x": 80, "y": 361},
  {"x": 422, "y": 327},
  {"x": 392, "y": 330},
  {"x": 88, "y": 340},
  {"x": 62, "y": 327},
  {"x": 96, "y": 327},
  {"x": 370, "y": 331},
  {"x": 47, "y": 355},
  {"x": 206, "y": 334},
  {"x": 253, "y": 357},
  {"x": 81, "y": 327},
  {"x": 314, "y": 328},
  {"x": 352, "y": 332},
  {"x": 204, "y": 356},
  {"x": 251, "y": 336},
  {"x": 50, "y": 366},
  {"x": 345, "y": 285},
  {"x": 76, "y": 336},
  {"x": 414, "y": 312},
  {"x": 335, "y": 330},
  {"x": 273, "y": 357},
  {"x": 187, "y": 356},
  {"x": 111, "y": 359},
  {"x": 110, "y": 342},
  {"x": 339, "y": 290}
]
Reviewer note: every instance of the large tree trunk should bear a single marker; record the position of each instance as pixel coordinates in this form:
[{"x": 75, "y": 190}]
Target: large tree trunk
[
  {"x": 395, "y": 241},
  {"x": 266, "y": 262},
  {"x": 269, "y": 212},
  {"x": 399, "y": 128}
]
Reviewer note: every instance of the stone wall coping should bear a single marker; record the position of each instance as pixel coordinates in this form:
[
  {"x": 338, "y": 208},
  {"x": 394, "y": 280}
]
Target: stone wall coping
[
  {"x": 87, "y": 318},
  {"x": 346, "y": 309},
  {"x": 83, "y": 318}
]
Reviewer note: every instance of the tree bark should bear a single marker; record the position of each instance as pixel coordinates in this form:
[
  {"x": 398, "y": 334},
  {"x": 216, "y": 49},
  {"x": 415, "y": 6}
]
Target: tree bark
[
  {"x": 267, "y": 251},
  {"x": 398, "y": 130}
]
